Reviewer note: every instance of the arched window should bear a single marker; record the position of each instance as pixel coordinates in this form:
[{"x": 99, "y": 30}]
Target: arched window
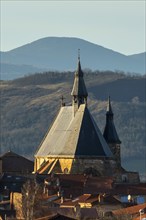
[
  {"x": 124, "y": 178},
  {"x": 66, "y": 170}
]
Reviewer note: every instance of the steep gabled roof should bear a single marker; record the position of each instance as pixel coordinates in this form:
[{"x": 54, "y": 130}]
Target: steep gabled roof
[
  {"x": 90, "y": 140},
  {"x": 74, "y": 136},
  {"x": 12, "y": 162},
  {"x": 130, "y": 210},
  {"x": 12, "y": 155}
]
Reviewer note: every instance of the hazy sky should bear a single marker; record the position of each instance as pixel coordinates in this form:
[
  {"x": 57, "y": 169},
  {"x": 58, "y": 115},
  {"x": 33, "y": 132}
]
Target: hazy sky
[{"x": 118, "y": 25}]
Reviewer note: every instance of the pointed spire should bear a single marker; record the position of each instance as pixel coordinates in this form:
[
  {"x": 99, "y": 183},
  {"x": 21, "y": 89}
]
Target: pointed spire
[
  {"x": 110, "y": 133},
  {"x": 79, "y": 91},
  {"x": 109, "y": 108},
  {"x": 79, "y": 70}
]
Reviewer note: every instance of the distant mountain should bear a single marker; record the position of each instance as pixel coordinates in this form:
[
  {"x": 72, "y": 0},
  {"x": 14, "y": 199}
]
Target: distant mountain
[{"x": 60, "y": 53}]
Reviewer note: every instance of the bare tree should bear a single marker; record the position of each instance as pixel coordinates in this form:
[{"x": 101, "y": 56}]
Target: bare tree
[{"x": 29, "y": 198}]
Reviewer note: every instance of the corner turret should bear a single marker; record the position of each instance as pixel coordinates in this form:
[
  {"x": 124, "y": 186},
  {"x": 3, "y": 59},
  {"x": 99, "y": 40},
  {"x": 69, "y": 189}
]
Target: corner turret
[{"x": 110, "y": 133}]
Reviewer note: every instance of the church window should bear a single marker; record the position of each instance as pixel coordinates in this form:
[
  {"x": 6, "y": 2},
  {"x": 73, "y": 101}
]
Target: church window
[
  {"x": 66, "y": 170},
  {"x": 124, "y": 178}
]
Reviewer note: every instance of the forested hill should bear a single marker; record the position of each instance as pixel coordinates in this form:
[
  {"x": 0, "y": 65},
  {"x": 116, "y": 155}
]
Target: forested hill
[{"x": 29, "y": 105}]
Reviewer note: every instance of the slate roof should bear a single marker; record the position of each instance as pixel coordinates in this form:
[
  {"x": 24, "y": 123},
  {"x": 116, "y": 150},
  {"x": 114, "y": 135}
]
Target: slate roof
[
  {"x": 110, "y": 133},
  {"x": 74, "y": 136},
  {"x": 79, "y": 88}
]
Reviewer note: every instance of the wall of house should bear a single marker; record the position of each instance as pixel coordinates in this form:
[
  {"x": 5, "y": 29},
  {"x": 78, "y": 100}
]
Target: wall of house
[{"x": 128, "y": 177}]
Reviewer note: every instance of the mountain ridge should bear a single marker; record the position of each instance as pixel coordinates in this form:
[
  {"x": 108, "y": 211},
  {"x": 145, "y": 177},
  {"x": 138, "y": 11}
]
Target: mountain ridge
[{"x": 60, "y": 53}]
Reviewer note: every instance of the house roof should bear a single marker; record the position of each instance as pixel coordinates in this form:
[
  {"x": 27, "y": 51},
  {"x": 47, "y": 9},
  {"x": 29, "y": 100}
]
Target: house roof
[
  {"x": 74, "y": 136},
  {"x": 133, "y": 189},
  {"x": 71, "y": 183},
  {"x": 143, "y": 217},
  {"x": 11, "y": 154},
  {"x": 130, "y": 210},
  {"x": 84, "y": 213},
  {"x": 85, "y": 198},
  {"x": 12, "y": 162},
  {"x": 98, "y": 184}
]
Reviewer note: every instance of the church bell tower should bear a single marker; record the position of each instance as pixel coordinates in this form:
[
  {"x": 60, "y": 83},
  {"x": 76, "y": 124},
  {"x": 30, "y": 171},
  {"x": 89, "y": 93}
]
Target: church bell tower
[{"x": 79, "y": 92}]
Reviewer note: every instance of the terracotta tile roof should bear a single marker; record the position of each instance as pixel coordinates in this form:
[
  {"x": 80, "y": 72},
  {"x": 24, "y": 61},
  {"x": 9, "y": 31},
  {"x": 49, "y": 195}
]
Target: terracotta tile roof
[
  {"x": 133, "y": 189},
  {"x": 66, "y": 203},
  {"x": 84, "y": 180},
  {"x": 98, "y": 184},
  {"x": 84, "y": 213},
  {"x": 130, "y": 210},
  {"x": 138, "y": 217},
  {"x": 73, "y": 178},
  {"x": 51, "y": 216},
  {"x": 86, "y": 198},
  {"x": 78, "y": 184}
]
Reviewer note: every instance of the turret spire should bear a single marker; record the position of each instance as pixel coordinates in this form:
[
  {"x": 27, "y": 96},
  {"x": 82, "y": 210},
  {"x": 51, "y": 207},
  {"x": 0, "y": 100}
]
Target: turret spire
[
  {"x": 110, "y": 133},
  {"x": 109, "y": 108}
]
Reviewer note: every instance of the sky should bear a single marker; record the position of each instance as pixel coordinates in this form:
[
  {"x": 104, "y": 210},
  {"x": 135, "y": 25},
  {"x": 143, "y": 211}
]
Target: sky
[{"x": 118, "y": 25}]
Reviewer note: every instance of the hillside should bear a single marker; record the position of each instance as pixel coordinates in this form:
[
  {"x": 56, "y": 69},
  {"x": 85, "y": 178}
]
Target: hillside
[
  {"x": 13, "y": 71},
  {"x": 29, "y": 105},
  {"x": 60, "y": 53}
]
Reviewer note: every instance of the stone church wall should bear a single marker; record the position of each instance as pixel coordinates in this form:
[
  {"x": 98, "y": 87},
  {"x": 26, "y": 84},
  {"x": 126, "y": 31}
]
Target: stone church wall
[
  {"x": 127, "y": 177},
  {"x": 94, "y": 166}
]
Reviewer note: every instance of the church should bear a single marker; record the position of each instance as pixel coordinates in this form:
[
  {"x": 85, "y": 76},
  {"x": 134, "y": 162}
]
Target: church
[{"x": 75, "y": 145}]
